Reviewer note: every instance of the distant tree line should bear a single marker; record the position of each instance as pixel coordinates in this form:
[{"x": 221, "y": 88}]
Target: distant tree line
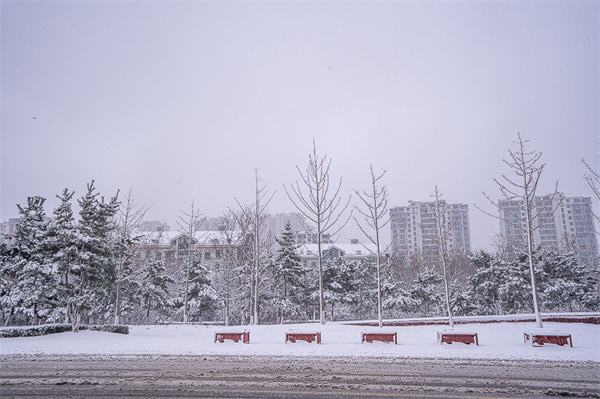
[{"x": 88, "y": 270}]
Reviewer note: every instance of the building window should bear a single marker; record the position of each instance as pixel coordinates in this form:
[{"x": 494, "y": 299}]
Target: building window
[{"x": 207, "y": 255}]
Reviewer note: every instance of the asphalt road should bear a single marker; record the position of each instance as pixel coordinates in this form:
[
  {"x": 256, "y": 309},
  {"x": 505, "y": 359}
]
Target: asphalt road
[{"x": 284, "y": 377}]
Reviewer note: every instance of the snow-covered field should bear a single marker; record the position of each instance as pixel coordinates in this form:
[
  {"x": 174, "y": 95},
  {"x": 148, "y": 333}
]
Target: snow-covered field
[{"x": 496, "y": 341}]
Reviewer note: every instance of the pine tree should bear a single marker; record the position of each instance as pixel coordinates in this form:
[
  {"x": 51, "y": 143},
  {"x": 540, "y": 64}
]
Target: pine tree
[
  {"x": 427, "y": 293},
  {"x": 460, "y": 300},
  {"x": 95, "y": 272},
  {"x": 202, "y": 297},
  {"x": 515, "y": 290},
  {"x": 35, "y": 280},
  {"x": 485, "y": 284},
  {"x": 567, "y": 285},
  {"x": 154, "y": 288},
  {"x": 63, "y": 245},
  {"x": 393, "y": 297},
  {"x": 287, "y": 273},
  {"x": 340, "y": 284}
]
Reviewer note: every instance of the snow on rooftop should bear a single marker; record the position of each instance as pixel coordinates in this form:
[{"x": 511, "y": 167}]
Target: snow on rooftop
[
  {"x": 202, "y": 236},
  {"x": 349, "y": 249}
]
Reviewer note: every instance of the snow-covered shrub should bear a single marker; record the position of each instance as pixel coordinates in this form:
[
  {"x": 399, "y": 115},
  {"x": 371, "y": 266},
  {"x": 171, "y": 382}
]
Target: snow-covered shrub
[
  {"x": 34, "y": 331},
  {"x": 118, "y": 329}
]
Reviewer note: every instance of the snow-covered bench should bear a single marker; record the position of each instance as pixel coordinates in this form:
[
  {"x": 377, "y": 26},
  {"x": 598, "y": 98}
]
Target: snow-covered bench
[
  {"x": 380, "y": 335},
  {"x": 541, "y": 336},
  {"x": 450, "y": 336},
  {"x": 235, "y": 336},
  {"x": 308, "y": 336}
]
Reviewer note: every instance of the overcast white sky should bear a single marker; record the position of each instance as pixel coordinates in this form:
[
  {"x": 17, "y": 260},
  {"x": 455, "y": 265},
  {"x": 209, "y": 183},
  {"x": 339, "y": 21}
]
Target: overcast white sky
[{"x": 182, "y": 101}]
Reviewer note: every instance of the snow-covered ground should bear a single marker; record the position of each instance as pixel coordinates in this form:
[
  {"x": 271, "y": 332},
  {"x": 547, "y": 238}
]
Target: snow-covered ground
[{"x": 496, "y": 341}]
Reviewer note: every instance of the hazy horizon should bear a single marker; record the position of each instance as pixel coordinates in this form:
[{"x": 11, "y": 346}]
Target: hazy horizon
[{"x": 183, "y": 101}]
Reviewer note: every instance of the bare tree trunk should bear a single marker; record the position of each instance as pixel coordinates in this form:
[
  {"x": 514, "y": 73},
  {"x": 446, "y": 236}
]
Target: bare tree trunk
[
  {"x": 130, "y": 219},
  {"x": 443, "y": 229},
  {"x": 256, "y": 216},
  {"x": 321, "y": 282},
  {"x": 319, "y": 206},
  {"x": 12, "y": 311},
  {"x": 227, "y": 304},
  {"x": 523, "y": 192},
  {"x": 191, "y": 224},
  {"x": 376, "y": 218}
]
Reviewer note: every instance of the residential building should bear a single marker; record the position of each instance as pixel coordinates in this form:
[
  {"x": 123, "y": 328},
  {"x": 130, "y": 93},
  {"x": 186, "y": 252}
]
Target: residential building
[
  {"x": 173, "y": 246},
  {"x": 355, "y": 251},
  {"x": 304, "y": 232},
  {"x": 413, "y": 228},
  {"x": 215, "y": 224},
  {"x": 3, "y": 232},
  {"x": 154, "y": 225},
  {"x": 564, "y": 222}
]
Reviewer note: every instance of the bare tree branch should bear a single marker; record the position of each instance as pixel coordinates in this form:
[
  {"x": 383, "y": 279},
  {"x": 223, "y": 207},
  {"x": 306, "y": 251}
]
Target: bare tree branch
[
  {"x": 376, "y": 217},
  {"x": 524, "y": 164},
  {"x": 320, "y": 206}
]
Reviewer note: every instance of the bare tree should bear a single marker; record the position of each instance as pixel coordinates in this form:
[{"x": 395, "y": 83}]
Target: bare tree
[
  {"x": 189, "y": 223},
  {"x": 129, "y": 219},
  {"x": 439, "y": 233},
  {"x": 593, "y": 180},
  {"x": 321, "y": 206},
  {"x": 256, "y": 215},
  {"x": 376, "y": 217},
  {"x": 531, "y": 210},
  {"x": 232, "y": 261}
]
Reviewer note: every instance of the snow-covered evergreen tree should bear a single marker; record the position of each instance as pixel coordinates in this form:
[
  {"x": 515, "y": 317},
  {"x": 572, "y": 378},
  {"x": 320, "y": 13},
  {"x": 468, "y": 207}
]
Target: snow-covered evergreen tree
[
  {"x": 395, "y": 299},
  {"x": 460, "y": 300},
  {"x": 287, "y": 272},
  {"x": 154, "y": 288},
  {"x": 95, "y": 272},
  {"x": 202, "y": 297},
  {"x": 485, "y": 284},
  {"x": 34, "y": 287},
  {"x": 341, "y": 286},
  {"x": 426, "y": 290},
  {"x": 63, "y": 245},
  {"x": 515, "y": 290},
  {"x": 567, "y": 285}
]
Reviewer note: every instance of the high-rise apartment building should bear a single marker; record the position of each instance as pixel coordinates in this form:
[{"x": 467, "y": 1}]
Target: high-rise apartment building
[
  {"x": 154, "y": 225},
  {"x": 304, "y": 233},
  {"x": 413, "y": 228},
  {"x": 276, "y": 223},
  {"x": 563, "y": 222}
]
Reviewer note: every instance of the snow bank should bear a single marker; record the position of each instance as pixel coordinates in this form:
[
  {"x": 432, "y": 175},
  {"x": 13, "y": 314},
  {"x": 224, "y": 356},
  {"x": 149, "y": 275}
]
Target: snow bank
[{"x": 497, "y": 341}]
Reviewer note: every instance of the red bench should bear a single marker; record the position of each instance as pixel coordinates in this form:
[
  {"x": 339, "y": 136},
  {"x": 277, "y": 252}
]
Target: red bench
[
  {"x": 539, "y": 338},
  {"x": 383, "y": 336},
  {"x": 308, "y": 336},
  {"x": 457, "y": 336},
  {"x": 243, "y": 336}
]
